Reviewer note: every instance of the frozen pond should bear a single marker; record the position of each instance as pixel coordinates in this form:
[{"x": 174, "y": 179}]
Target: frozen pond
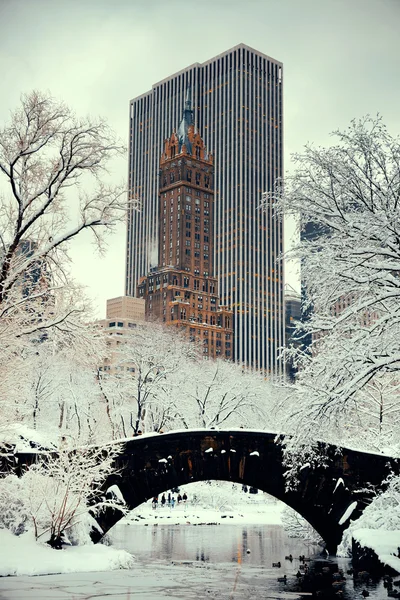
[{"x": 188, "y": 562}]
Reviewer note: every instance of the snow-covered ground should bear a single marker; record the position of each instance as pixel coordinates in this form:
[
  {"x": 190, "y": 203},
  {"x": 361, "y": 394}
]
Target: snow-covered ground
[
  {"x": 385, "y": 544},
  {"x": 206, "y": 504},
  {"x": 22, "y": 555},
  {"x": 216, "y": 503}
]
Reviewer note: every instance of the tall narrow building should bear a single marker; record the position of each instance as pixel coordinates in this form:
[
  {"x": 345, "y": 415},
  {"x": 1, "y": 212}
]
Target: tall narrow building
[
  {"x": 237, "y": 102},
  {"x": 182, "y": 290}
]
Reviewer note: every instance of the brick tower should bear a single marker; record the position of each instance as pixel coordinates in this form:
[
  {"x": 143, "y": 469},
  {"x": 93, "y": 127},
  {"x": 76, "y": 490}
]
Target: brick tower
[{"x": 182, "y": 290}]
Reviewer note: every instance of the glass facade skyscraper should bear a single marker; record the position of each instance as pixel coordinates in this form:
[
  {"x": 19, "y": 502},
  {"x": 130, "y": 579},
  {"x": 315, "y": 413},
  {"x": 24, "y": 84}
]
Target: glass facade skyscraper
[{"x": 237, "y": 108}]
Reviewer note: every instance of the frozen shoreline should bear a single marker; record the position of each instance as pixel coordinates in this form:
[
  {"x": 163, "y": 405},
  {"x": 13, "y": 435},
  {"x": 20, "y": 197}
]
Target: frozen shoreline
[
  {"x": 22, "y": 555},
  {"x": 187, "y": 514}
]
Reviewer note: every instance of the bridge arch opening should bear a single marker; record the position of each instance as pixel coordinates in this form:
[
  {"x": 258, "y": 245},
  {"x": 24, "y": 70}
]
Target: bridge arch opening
[{"x": 217, "y": 502}]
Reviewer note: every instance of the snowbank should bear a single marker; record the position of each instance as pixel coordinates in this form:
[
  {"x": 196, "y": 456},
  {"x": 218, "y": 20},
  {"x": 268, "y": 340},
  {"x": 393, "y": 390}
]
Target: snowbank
[
  {"x": 189, "y": 515},
  {"x": 22, "y": 555},
  {"x": 384, "y": 543}
]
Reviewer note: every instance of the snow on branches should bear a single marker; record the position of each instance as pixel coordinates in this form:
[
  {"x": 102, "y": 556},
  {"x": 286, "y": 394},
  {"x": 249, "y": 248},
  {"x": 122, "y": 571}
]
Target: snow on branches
[
  {"x": 52, "y": 166},
  {"x": 347, "y": 202},
  {"x": 55, "y": 495}
]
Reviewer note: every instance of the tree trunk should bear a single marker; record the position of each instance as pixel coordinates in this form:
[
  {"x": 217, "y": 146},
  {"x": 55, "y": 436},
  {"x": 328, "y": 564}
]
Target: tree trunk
[{"x": 55, "y": 541}]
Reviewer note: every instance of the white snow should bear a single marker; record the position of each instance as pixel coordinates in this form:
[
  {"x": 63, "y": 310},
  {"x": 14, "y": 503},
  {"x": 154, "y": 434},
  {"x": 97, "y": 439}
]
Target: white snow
[
  {"x": 347, "y": 513},
  {"x": 22, "y": 555},
  {"x": 305, "y": 466},
  {"x": 209, "y": 450},
  {"x": 186, "y": 514},
  {"x": 20, "y": 435},
  {"x": 163, "y": 460},
  {"x": 339, "y": 482},
  {"x": 114, "y": 489},
  {"x": 255, "y": 453},
  {"x": 223, "y": 451},
  {"x": 384, "y": 543},
  {"x": 232, "y": 450}
]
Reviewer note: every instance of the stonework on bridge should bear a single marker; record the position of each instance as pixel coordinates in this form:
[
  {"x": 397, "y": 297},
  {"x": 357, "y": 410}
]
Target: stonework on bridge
[{"x": 150, "y": 465}]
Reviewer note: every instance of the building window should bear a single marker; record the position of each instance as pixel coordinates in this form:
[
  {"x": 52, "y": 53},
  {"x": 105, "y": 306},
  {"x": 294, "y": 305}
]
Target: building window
[
  {"x": 189, "y": 175},
  {"x": 111, "y": 324}
]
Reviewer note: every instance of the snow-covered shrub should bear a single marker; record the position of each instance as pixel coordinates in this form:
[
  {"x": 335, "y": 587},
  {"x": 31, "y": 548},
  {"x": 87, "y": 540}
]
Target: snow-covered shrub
[
  {"x": 383, "y": 513},
  {"x": 13, "y": 510},
  {"x": 54, "y": 496}
]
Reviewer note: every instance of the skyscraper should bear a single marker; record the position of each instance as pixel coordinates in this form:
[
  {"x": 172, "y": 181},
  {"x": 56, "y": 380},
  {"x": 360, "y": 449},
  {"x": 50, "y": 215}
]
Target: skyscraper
[
  {"x": 237, "y": 102},
  {"x": 182, "y": 290}
]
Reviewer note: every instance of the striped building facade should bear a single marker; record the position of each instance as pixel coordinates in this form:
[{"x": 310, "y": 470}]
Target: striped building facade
[{"x": 237, "y": 108}]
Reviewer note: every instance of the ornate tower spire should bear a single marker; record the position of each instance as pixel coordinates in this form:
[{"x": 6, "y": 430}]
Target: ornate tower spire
[{"x": 186, "y": 122}]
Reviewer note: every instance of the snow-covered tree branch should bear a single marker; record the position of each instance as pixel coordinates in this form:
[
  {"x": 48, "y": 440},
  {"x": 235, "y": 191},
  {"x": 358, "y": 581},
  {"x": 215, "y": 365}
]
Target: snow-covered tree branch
[
  {"x": 346, "y": 199},
  {"x": 52, "y": 166}
]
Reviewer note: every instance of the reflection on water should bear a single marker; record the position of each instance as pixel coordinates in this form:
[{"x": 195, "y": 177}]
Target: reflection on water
[
  {"x": 210, "y": 543},
  {"x": 240, "y": 554}
]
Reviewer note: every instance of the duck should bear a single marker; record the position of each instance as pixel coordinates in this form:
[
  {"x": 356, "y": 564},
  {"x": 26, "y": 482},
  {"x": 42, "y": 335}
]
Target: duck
[
  {"x": 282, "y": 579},
  {"x": 290, "y": 557},
  {"x": 278, "y": 565}
]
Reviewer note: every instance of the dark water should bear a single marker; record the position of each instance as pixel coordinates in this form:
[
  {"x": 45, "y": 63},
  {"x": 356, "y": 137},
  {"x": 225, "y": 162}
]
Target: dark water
[
  {"x": 218, "y": 555},
  {"x": 189, "y": 562}
]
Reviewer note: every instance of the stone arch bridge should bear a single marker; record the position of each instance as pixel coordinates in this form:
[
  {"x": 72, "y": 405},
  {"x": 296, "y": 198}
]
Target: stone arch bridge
[{"x": 152, "y": 464}]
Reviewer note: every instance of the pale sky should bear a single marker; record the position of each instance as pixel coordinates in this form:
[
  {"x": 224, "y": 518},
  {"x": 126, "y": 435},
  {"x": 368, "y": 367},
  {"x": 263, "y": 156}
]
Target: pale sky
[{"x": 341, "y": 61}]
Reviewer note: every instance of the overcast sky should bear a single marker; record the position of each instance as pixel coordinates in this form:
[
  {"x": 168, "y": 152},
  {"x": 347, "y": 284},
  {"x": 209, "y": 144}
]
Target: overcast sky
[{"x": 341, "y": 60}]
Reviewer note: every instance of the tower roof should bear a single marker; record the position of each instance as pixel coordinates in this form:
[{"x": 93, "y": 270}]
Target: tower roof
[{"x": 186, "y": 122}]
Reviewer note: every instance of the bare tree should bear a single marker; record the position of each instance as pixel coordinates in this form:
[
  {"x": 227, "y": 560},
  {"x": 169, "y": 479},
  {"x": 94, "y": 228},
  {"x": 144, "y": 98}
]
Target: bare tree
[
  {"x": 139, "y": 390},
  {"x": 54, "y": 164},
  {"x": 219, "y": 393}
]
